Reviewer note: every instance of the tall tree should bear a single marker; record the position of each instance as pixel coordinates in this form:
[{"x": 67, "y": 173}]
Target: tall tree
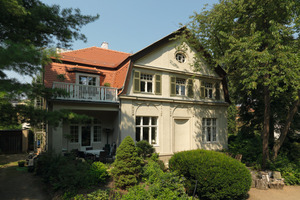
[
  {"x": 257, "y": 42},
  {"x": 28, "y": 30}
]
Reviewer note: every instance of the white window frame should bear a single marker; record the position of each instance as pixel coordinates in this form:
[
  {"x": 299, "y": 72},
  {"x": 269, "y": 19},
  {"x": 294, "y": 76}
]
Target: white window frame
[
  {"x": 150, "y": 126},
  {"x": 179, "y": 85},
  {"x": 209, "y": 130},
  {"x": 72, "y": 138},
  {"x": 209, "y": 90},
  {"x": 146, "y": 81},
  {"x": 180, "y": 57},
  {"x": 97, "y": 83},
  {"x": 79, "y": 128}
]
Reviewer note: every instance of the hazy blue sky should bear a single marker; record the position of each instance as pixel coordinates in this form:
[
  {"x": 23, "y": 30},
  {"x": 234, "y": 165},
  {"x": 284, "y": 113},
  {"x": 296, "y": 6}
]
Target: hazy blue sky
[{"x": 129, "y": 25}]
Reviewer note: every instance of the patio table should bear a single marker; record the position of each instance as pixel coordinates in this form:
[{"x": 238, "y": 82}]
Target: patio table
[{"x": 95, "y": 152}]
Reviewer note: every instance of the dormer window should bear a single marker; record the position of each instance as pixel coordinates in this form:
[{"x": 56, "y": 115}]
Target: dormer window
[
  {"x": 87, "y": 79},
  {"x": 180, "y": 57}
]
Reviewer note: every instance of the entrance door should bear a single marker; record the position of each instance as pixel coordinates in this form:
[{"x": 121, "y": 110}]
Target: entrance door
[
  {"x": 181, "y": 135},
  {"x": 86, "y": 136}
]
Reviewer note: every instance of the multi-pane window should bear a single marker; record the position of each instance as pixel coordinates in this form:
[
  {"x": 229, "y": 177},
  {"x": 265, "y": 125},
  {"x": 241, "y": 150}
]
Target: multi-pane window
[
  {"x": 146, "y": 129},
  {"x": 209, "y": 129},
  {"x": 180, "y": 86},
  {"x": 97, "y": 133},
  {"x": 74, "y": 134},
  {"x": 87, "y": 80},
  {"x": 146, "y": 83},
  {"x": 85, "y": 133},
  {"x": 209, "y": 90},
  {"x": 180, "y": 57}
]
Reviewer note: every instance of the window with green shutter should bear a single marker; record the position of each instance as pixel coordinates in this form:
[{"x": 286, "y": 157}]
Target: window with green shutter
[
  {"x": 172, "y": 86},
  {"x": 190, "y": 88},
  {"x": 157, "y": 84},
  {"x": 202, "y": 90},
  {"x": 136, "y": 81}
]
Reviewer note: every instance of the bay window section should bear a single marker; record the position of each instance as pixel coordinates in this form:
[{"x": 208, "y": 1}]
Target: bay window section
[{"x": 146, "y": 129}]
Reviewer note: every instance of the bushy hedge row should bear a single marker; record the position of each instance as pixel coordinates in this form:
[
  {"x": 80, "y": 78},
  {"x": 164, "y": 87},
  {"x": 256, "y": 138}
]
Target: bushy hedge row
[
  {"x": 218, "y": 176},
  {"x": 69, "y": 174}
]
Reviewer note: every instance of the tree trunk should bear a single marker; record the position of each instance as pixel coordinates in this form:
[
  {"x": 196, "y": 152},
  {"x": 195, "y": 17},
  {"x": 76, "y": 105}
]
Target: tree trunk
[
  {"x": 288, "y": 122},
  {"x": 266, "y": 129}
]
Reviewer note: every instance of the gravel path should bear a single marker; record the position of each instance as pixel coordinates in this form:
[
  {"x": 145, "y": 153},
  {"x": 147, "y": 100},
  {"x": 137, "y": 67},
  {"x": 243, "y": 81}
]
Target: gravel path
[{"x": 288, "y": 193}]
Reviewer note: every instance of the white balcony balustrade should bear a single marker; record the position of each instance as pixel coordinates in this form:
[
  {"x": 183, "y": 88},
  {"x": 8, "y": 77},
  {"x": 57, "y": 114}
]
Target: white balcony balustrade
[{"x": 86, "y": 92}]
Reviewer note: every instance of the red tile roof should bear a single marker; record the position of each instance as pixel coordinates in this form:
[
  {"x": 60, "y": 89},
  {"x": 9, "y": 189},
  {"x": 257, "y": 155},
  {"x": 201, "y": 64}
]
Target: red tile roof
[
  {"x": 110, "y": 65},
  {"x": 96, "y": 56}
]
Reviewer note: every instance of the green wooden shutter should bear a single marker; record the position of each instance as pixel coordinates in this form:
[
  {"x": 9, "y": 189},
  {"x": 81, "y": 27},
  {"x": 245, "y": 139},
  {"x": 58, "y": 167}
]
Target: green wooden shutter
[
  {"x": 172, "y": 86},
  {"x": 190, "y": 88},
  {"x": 157, "y": 84},
  {"x": 217, "y": 86},
  {"x": 136, "y": 81},
  {"x": 202, "y": 89}
]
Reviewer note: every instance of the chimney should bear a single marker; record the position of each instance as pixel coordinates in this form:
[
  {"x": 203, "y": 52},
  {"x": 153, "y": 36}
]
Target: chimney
[{"x": 104, "y": 45}]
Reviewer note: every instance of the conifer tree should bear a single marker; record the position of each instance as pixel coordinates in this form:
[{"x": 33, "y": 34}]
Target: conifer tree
[{"x": 127, "y": 166}]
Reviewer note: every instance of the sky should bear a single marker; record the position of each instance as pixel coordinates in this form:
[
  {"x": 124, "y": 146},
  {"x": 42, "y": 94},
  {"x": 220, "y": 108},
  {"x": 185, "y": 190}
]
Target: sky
[{"x": 130, "y": 25}]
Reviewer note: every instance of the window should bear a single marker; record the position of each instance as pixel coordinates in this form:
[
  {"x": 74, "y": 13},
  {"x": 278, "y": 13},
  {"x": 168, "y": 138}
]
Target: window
[
  {"x": 180, "y": 57},
  {"x": 97, "y": 130},
  {"x": 87, "y": 80},
  {"x": 209, "y": 90},
  {"x": 97, "y": 133},
  {"x": 146, "y": 83},
  {"x": 85, "y": 133},
  {"x": 209, "y": 129},
  {"x": 146, "y": 129},
  {"x": 74, "y": 134},
  {"x": 180, "y": 86}
]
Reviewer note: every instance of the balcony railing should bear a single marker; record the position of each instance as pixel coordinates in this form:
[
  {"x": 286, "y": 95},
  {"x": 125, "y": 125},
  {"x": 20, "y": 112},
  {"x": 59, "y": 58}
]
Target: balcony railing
[{"x": 86, "y": 92}]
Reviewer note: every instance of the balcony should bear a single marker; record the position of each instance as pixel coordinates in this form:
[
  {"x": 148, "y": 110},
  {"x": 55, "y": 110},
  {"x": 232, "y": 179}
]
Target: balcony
[{"x": 87, "y": 92}]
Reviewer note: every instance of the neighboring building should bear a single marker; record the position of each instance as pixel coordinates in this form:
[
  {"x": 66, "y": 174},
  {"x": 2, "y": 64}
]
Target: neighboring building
[{"x": 154, "y": 95}]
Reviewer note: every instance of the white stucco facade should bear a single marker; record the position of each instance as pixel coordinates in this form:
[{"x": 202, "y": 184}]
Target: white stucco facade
[{"x": 164, "y": 100}]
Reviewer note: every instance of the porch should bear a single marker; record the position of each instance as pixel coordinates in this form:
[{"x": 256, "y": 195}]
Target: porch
[
  {"x": 99, "y": 133},
  {"x": 87, "y": 92}
]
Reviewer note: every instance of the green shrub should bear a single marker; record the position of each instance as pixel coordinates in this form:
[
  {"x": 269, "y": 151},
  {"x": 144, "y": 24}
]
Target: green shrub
[
  {"x": 96, "y": 195},
  {"x": 165, "y": 186},
  {"x": 137, "y": 192},
  {"x": 99, "y": 171},
  {"x": 144, "y": 149},
  {"x": 155, "y": 157},
  {"x": 249, "y": 146},
  {"x": 289, "y": 170},
  {"x": 218, "y": 176},
  {"x": 152, "y": 171},
  {"x": 127, "y": 166},
  {"x": 69, "y": 174}
]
